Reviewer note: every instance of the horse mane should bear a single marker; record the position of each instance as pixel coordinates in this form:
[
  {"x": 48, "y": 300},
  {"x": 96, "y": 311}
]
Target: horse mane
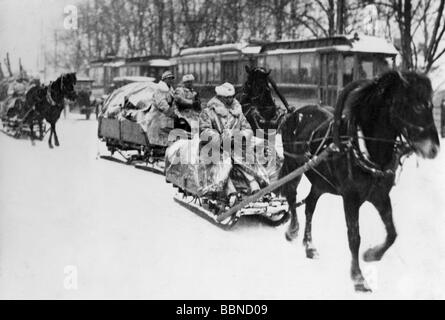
[{"x": 364, "y": 100}]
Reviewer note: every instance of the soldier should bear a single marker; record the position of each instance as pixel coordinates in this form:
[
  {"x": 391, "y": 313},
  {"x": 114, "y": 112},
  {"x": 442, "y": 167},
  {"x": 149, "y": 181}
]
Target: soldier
[
  {"x": 162, "y": 113},
  {"x": 185, "y": 96},
  {"x": 221, "y": 118}
]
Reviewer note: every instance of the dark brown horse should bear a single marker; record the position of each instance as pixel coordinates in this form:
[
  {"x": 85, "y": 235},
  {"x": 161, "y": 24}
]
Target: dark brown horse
[
  {"x": 382, "y": 120},
  {"x": 258, "y": 104},
  {"x": 47, "y": 102}
]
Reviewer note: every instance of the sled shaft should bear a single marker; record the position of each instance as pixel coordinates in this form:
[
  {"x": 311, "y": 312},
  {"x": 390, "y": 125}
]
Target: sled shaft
[{"x": 315, "y": 161}]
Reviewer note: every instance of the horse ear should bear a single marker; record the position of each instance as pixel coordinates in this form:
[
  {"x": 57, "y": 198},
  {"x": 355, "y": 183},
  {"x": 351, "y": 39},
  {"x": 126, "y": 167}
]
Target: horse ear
[
  {"x": 248, "y": 69},
  {"x": 390, "y": 79},
  {"x": 268, "y": 72}
]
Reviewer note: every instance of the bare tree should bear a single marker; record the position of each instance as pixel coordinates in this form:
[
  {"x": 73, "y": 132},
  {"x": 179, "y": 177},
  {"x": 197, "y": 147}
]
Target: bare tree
[
  {"x": 8, "y": 64},
  {"x": 2, "y": 75},
  {"x": 432, "y": 52}
]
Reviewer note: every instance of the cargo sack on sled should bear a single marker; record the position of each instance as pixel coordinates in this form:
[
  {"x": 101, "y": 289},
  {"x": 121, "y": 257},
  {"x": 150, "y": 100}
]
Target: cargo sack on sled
[{"x": 185, "y": 169}]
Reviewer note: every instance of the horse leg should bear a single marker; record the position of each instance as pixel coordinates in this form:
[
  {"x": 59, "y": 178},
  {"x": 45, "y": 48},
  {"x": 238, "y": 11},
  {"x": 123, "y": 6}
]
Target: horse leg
[
  {"x": 50, "y": 144},
  {"x": 41, "y": 133},
  {"x": 311, "y": 202},
  {"x": 56, "y": 139},
  {"x": 291, "y": 197},
  {"x": 31, "y": 130},
  {"x": 383, "y": 206},
  {"x": 352, "y": 205}
]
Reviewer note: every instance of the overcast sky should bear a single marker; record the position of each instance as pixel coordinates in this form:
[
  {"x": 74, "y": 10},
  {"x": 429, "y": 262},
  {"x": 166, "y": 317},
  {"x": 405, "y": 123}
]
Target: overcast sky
[{"x": 23, "y": 24}]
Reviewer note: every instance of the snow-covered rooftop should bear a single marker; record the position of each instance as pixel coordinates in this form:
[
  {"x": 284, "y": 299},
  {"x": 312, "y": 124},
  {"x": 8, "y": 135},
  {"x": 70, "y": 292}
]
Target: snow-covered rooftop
[
  {"x": 356, "y": 43},
  {"x": 212, "y": 49},
  {"x": 135, "y": 79},
  {"x": 372, "y": 44}
]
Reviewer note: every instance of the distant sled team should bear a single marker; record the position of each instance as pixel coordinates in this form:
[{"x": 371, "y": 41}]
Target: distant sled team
[{"x": 28, "y": 103}]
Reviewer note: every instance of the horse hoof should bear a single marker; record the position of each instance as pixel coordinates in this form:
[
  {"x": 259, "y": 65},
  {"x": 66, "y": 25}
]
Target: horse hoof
[
  {"x": 57, "y": 144},
  {"x": 312, "y": 253},
  {"x": 291, "y": 235},
  {"x": 360, "y": 284},
  {"x": 50, "y": 146},
  {"x": 362, "y": 287},
  {"x": 372, "y": 255}
]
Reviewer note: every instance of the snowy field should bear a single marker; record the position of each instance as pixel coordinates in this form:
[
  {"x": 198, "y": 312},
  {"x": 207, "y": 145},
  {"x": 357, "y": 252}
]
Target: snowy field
[{"x": 64, "y": 214}]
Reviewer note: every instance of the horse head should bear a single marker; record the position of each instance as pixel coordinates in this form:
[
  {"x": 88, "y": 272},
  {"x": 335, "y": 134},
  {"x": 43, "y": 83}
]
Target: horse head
[
  {"x": 257, "y": 86},
  {"x": 67, "y": 83},
  {"x": 409, "y": 95}
]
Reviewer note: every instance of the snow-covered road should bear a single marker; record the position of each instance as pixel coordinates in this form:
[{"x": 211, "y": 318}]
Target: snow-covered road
[{"x": 65, "y": 214}]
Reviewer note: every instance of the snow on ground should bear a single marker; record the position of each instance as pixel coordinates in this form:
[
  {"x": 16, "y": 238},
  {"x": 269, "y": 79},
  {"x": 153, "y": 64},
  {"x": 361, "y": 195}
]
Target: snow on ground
[{"x": 121, "y": 230}]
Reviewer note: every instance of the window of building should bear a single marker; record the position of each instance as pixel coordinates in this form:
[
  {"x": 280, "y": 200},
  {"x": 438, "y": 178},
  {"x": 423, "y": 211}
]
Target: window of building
[
  {"x": 230, "y": 71},
  {"x": 210, "y": 72},
  {"x": 348, "y": 69},
  {"x": 242, "y": 76},
  {"x": 273, "y": 63},
  {"x": 332, "y": 69},
  {"x": 203, "y": 78},
  {"x": 262, "y": 61},
  {"x": 290, "y": 68},
  {"x": 307, "y": 70},
  {"x": 180, "y": 70},
  {"x": 197, "y": 72},
  {"x": 217, "y": 72},
  {"x": 381, "y": 65}
]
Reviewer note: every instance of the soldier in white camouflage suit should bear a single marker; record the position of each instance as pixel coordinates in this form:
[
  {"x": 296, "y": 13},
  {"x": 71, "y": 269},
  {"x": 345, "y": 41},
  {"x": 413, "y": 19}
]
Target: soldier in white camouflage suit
[
  {"x": 162, "y": 112},
  {"x": 223, "y": 116},
  {"x": 185, "y": 96}
]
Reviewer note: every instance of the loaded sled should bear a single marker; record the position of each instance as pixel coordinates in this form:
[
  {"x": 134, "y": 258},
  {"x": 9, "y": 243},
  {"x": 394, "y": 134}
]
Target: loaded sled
[
  {"x": 16, "y": 119},
  {"x": 126, "y": 128},
  {"x": 198, "y": 189}
]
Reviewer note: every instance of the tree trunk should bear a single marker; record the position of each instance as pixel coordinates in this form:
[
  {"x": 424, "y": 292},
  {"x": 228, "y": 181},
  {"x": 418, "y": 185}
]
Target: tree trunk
[
  {"x": 341, "y": 16},
  {"x": 404, "y": 17},
  {"x": 331, "y": 18},
  {"x": 2, "y": 75},
  {"x": 8, "y": 64},
  {"x": 160, "y": 6}
]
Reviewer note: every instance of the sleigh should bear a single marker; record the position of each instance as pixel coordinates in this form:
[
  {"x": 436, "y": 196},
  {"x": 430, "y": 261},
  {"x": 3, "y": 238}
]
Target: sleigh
[
  {"x": 127, "y": 134},
  {"x": 200, "y": 187},
  {"x": 14, "y": 118}
]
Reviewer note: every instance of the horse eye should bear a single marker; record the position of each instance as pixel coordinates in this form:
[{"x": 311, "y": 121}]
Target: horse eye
[{"x": 418, "y": 108}]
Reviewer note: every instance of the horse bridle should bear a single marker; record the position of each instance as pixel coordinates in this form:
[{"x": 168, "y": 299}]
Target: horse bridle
[{"x": 62, "y": 86}]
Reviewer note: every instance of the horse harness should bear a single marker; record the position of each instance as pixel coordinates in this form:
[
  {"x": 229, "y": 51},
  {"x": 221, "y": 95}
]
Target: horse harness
[
  {"x": 353, "y": 145},
  {"x": 49, "y": 98}
]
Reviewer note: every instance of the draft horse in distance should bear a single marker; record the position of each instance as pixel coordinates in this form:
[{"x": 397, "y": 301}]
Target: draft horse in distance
[{"x": 47, "y": 102}]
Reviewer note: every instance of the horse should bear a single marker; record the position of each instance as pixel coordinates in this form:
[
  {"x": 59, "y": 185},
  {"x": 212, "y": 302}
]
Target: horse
[
  {"x": 380, "y": 121},
  {"x": 47, "y": 102},
  {"x": 258, "y": 104}
]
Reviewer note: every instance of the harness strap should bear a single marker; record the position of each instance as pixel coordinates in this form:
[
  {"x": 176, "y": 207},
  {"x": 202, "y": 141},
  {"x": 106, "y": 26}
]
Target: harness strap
[{"x": 49, "y": 98}]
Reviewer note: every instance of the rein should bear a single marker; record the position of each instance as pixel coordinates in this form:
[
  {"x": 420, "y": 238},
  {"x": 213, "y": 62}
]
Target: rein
[{"x": 401, "y": 148}]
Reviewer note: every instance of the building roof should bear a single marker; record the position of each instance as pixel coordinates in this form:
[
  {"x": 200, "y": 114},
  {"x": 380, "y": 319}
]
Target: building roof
[
  {"x": 356, "y": 43},
  {"x": 134, "y": 79},
  {"x": 154, "y": 60}
]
